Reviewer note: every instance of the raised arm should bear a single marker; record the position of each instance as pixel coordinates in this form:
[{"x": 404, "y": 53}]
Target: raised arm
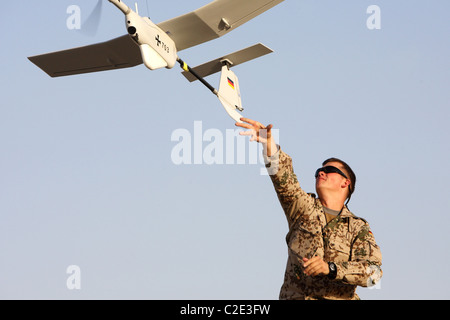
[{"x": 294, "y": 201}]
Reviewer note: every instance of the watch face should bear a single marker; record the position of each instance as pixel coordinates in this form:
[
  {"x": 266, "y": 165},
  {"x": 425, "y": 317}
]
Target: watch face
[{"x": 333, "y": 270}]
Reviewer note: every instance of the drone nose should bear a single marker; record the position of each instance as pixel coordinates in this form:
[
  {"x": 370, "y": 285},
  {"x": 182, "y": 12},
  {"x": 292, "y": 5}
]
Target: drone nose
[{"x": 132, "y": 30}]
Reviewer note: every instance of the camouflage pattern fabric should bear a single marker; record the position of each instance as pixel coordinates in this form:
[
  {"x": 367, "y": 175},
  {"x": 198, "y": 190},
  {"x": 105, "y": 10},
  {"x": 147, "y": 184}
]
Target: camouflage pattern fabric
[{"x": 346, "y": 240}]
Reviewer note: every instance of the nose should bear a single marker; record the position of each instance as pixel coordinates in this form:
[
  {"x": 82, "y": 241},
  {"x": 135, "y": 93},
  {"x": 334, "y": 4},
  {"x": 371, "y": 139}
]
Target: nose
[{"x": 321, "y": 174}]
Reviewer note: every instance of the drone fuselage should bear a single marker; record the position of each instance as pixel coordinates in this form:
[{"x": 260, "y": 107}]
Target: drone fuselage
[{"x": 158, "y": 50}]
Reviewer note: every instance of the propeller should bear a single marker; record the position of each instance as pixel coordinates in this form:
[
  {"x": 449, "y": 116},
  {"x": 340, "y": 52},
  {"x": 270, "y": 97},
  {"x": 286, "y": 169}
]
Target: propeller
[{"x": 90, "y": 25}]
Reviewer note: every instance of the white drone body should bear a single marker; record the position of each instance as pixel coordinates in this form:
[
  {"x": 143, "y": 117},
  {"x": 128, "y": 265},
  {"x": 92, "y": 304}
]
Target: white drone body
[
  {"x": 158, "y": 50},
  {"x": 157, "y": 46}
]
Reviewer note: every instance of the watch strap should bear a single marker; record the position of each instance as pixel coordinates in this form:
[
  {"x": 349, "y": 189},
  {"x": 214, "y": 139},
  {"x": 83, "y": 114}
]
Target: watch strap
[{"x": 332, "y": 270}]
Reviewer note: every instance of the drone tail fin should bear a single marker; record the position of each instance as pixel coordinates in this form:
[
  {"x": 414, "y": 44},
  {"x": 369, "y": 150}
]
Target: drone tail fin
[{"x": 229, "y": 93}]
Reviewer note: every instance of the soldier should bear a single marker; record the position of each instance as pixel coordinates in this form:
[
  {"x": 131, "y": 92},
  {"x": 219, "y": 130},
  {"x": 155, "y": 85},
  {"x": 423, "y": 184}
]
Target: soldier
[{"x": 330, "y": 250}]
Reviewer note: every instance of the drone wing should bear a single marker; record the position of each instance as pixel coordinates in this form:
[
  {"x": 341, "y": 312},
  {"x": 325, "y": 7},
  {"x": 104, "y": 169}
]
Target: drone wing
[
  {"x": 117, "y": 53},
  {"x": 206, "y": 23},
  {"x": 213, "y": 20}
]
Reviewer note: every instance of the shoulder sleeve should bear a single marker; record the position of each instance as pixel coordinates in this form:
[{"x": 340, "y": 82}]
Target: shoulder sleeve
[{"x": 364, "y": 267}]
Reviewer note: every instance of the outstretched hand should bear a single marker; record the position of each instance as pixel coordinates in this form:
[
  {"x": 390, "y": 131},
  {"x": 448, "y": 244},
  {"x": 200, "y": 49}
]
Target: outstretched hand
[{"x": 258, "y": 132}]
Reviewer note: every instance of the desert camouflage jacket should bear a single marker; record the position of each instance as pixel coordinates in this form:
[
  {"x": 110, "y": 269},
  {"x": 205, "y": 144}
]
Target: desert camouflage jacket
[{"x": 346, "y": 240}]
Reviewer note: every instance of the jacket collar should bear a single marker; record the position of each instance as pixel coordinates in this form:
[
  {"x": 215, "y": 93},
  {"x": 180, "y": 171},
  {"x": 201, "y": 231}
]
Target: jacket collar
[{"x": 345, "y": 212}]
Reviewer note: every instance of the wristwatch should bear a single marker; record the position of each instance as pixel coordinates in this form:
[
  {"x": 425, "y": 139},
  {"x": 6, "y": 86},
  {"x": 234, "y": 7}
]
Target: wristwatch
[{"x": 333, "y": 270}]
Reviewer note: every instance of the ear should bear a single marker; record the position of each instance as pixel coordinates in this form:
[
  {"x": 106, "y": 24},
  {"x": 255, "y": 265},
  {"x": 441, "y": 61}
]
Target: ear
[{"x": 346, "y": 183}]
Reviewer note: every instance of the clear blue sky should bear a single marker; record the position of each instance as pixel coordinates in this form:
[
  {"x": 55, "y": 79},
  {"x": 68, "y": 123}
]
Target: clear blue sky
[{"x": 87, "y": 177}]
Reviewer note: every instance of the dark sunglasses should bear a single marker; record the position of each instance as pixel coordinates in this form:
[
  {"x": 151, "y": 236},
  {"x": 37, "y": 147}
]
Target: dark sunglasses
[{"x": 330, "y": 169}]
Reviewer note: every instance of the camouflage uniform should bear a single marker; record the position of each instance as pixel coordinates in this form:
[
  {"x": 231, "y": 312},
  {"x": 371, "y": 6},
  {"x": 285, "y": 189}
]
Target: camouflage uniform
[{"x": 346, "y": 240}]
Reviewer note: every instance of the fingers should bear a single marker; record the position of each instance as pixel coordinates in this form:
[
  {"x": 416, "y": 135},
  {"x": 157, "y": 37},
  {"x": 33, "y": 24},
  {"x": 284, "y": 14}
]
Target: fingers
[
  {"x": 308, "y": 262},
  {"x": 257, "y": 131},
  {"x": 313, "y": 270},
  {"x": 246, "y": 133},
  {"x": 243, "y": 125},
  {"x": 251, "y": 124},
  {"x": 315, "y": 266}
]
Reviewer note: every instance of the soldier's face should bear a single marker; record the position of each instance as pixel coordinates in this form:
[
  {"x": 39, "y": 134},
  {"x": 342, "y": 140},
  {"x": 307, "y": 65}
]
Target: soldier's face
[{"x": 332, "y": 181}]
